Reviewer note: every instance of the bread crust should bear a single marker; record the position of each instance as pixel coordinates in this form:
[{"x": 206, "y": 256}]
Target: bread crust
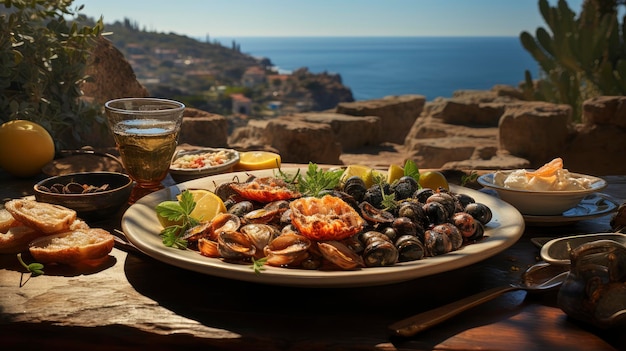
[
  {"x": 45, "y": 217},
  {"x": 7, "y": 220},
  {"x": 16, "y": 239},
  {"x": 72, "y": 246}
]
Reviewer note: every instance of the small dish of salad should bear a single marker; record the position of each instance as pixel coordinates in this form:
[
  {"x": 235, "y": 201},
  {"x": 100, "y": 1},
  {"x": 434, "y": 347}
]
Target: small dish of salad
[{"x": 192, "y": 164}]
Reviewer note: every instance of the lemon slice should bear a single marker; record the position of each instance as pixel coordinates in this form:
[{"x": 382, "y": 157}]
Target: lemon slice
[
  {"x": 394, "y": 173},
  {"x": 363, "y": 172},
  {"x": 255, "y": 160},
  {"x": 433, "y": 180},
  {"x": 208, "y": 205}
]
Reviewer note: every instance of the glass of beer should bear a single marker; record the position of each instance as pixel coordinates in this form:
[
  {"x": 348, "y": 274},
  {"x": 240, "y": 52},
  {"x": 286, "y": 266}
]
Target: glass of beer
[{"x": 146, "y": 134}]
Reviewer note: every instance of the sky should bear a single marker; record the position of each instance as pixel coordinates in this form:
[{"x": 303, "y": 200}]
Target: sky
[{"x": 245, "y": 18}]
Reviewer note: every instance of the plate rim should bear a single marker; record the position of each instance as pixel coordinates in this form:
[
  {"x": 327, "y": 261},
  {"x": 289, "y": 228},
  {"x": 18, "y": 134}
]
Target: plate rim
[
  {"x": 501, "y": 233},
  {"x": 561, "y": 219}
]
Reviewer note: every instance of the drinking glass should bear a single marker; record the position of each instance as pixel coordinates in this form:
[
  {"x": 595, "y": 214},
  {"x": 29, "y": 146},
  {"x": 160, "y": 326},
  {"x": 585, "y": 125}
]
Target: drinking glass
[{"x": 146, "y": 134}]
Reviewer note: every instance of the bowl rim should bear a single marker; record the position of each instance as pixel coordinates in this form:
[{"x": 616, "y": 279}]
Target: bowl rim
[
  {"x": 182, "y": 171},
  {"x": 128, "y": 183},
  {"x": 597, "y": 184}
]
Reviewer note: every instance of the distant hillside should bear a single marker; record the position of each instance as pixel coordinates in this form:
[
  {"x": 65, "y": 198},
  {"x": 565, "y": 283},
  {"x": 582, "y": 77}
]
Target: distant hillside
[{"x": 204, "y": 75}]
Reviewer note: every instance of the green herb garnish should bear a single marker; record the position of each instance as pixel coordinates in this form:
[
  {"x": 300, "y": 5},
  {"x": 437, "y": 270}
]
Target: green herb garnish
[
  {"x": 318, "y": 180},
  {"x": 469, "y": 178},
  {"x": 180, "y": 212},
  {"x": 411, "y": 170},
  {"x": 34, "y": 268},
  {"x": 258, "y": 265}
]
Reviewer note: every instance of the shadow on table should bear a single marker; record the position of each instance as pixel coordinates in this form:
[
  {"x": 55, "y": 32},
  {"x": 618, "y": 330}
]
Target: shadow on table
[{"x": 349, "y": 314}]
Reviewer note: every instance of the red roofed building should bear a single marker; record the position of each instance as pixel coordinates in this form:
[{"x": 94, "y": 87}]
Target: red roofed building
[{"x": 241, "y": 104}]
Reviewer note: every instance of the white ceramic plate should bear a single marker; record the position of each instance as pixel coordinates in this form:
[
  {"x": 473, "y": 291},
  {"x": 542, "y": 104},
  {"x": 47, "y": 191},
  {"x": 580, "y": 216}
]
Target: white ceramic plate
[
  {"x": 142, "y": 229},
  {"x": 592, "y": 206}
]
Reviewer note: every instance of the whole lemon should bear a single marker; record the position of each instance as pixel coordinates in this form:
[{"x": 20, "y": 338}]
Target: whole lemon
[{"x": 25, "y": 147}]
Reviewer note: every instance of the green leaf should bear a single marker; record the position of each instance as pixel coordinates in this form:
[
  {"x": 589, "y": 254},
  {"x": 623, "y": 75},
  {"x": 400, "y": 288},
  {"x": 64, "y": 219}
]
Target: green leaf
[
  {"x": 34, "y": 268},
  {"x": 411, "y": 170},
  {"x": 171, "y": 210}
]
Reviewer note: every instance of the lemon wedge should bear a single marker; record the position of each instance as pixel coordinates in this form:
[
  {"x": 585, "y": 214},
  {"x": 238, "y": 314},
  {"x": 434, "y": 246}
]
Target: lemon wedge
[
  {"x": 363, "y": 172},
  {"x": 208, "y": 205},
  {"x": 255, "y": 160},
  {"x": 433, "y": 180},
  {"x": 394, "y": 173}
]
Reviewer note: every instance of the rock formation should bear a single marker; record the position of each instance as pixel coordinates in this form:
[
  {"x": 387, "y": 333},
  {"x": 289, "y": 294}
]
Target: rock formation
[{"x": 472, "y": 130}]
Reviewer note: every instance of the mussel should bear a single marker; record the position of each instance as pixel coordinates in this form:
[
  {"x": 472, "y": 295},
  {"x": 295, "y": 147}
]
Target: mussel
[
  {"x": 355, "y": 187},
  {"x": 235, "y": 246},
  {"x": 340, "y": 255},
  {"x": 410, "y": 248},
  {"x": 287, "y": 249},
  {"x": 480, "y": 212},
  {"x": 380, "y": 253}
]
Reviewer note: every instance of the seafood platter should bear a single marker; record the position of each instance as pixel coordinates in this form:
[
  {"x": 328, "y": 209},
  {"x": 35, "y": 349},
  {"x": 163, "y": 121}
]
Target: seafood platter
[{"x": 347, "y": 236}]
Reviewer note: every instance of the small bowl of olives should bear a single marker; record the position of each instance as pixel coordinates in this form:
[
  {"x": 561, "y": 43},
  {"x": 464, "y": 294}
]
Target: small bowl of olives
[{"x": 92, "y": 195}]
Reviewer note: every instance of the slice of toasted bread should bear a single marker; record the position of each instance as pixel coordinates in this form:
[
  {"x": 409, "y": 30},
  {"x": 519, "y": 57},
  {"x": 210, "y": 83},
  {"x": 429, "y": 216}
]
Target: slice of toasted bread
[
  {"x": 45, "y": 217},
  {"x": 16, "y": 239},
  {"x": 7, "y": 220},
  {"x": 72, "y": 246}
]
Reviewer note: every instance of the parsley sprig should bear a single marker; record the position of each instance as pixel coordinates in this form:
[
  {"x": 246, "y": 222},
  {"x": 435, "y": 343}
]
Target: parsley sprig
[
  {"x": 179, "y": 212},
  {"x": 315, "y": 181}
]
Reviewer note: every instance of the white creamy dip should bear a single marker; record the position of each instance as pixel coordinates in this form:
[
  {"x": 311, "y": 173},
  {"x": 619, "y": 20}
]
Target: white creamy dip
[{"x": 562, "y": 180}]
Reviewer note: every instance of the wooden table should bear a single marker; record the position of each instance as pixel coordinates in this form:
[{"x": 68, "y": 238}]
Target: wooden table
[{"x": 133, "y": 302}]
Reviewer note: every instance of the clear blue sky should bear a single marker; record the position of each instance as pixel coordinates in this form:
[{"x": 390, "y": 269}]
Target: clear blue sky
[{"x": 238, "y": 18}]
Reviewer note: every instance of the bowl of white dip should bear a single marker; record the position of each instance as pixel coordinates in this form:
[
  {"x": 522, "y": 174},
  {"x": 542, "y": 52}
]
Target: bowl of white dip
[{"x": 537, "y": 195}]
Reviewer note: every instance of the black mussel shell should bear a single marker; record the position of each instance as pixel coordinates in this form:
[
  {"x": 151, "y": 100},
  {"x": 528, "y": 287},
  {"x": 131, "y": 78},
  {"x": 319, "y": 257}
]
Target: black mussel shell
[
  {"x": 380, "y": 253},
  {"x": 410, "y": 248},
  {"x": 436, "y": 212},
  {"x": 436, "y": 243},
  {"x": 480, "y": 212},
  {"x": 355, "y": 187},
  {"x": 422, "y": 194}
]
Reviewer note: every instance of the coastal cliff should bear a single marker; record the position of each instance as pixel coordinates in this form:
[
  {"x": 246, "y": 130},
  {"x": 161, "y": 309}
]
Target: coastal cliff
[{"x": 472, "y": 130}]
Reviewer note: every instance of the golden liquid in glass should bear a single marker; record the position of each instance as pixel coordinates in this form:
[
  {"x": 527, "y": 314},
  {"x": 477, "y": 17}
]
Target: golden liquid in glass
[{"x": 146, "y": 148}]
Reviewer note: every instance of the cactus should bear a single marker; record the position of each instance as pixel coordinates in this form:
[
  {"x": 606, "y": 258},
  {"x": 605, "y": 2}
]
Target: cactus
[{"x": 579, "y": 58}]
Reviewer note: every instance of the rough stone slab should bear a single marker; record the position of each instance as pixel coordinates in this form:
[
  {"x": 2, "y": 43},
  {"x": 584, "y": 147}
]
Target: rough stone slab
[
  {"x": 303, "y": 142},
  {"x": 351, "y": 131},
  {"x": 434, "y": 153},
  {"x": 397, "y": 113},
  {"x": 204, "y": 129},
  {"x": 609, "y": 110},
  {"x": 536, "y": 131}
]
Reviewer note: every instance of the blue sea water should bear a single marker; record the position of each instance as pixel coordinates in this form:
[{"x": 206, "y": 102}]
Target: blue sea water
[{"x": 374, "y": 67}]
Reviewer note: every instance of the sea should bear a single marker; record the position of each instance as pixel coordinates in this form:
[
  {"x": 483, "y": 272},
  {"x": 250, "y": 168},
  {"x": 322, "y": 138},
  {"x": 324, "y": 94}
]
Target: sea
[{"x": 375, "y": 67}]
